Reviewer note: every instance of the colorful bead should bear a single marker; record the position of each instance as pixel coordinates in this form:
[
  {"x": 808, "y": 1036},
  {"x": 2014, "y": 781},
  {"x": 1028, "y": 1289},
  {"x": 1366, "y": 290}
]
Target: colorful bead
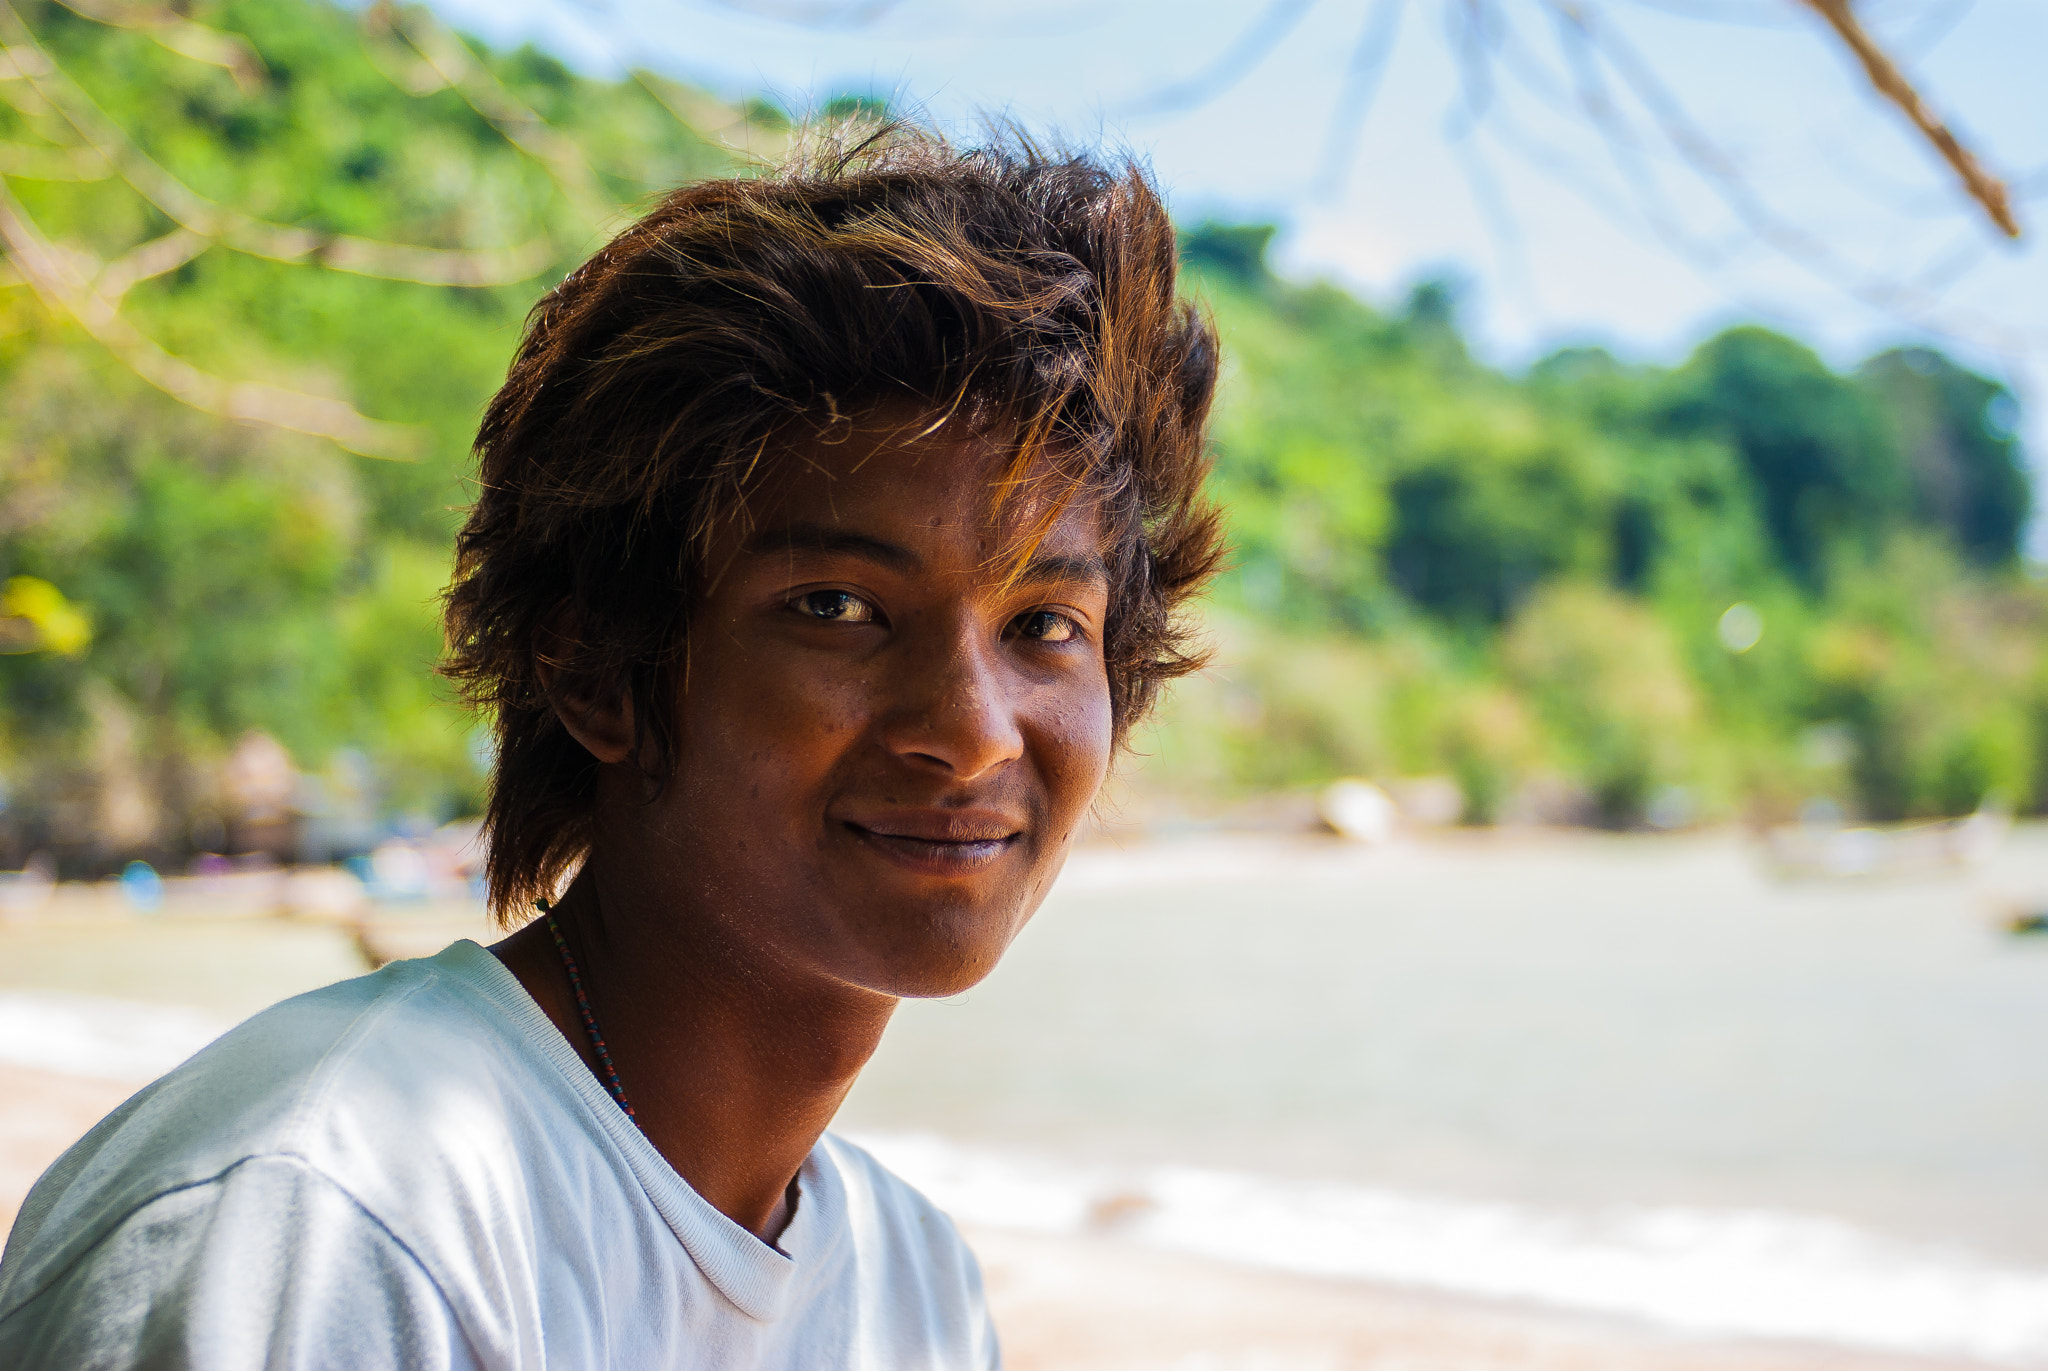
[{"x": 604, "y": 1058}]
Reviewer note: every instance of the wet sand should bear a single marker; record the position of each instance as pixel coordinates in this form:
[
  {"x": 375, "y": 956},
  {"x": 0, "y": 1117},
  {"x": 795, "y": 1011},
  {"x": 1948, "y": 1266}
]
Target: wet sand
[{"x": 1092, "y": 1304}]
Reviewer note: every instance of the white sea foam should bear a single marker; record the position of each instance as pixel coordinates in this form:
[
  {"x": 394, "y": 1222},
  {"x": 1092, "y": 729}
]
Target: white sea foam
[
  {"x": 88, "y": 1035},
  {"x": 1735, "y": 1273}
]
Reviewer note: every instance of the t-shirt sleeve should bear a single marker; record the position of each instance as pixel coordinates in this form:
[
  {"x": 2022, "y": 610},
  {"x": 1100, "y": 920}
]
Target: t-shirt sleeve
[{"x": 269, "y": 1265}]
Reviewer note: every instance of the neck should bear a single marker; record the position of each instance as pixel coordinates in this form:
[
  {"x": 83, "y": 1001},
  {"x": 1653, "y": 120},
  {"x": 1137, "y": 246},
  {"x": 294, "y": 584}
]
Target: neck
[{"x": 734, "y": 1062}]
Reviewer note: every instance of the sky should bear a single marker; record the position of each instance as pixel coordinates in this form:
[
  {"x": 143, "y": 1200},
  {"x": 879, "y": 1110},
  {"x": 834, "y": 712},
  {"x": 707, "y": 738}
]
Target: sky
[{"x": 1632, "y": 173}]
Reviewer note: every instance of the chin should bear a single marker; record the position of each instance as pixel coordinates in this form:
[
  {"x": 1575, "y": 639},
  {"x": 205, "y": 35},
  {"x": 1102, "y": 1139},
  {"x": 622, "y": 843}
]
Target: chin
[
  {"x": 946, "y": 952},
  {"x": 939, "y": 982}
]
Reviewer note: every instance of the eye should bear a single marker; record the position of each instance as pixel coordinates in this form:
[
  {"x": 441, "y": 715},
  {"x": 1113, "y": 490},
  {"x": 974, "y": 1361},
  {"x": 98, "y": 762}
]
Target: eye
[
  {"x": 1047, "y": 626},
  {"x": 834, "y": 606}
]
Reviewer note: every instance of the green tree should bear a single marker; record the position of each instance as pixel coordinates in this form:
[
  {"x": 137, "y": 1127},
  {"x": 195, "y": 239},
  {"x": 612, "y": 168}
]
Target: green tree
[
  {"x": 1956, "y": 429},
  {"x": 1826, "y": 467},
  {"x": 328, "y": 213}
]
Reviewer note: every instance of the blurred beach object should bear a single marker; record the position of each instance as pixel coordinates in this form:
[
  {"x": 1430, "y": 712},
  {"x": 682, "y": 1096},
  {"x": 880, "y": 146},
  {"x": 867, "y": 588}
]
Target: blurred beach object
[
  {"x": 394, "y": 935},
  {"x": 423, "y": 893},
  {"x": 446, "y": 863},
  {"x": 1372, "y": 813},
  {"x": 1428, "y": 801},
  {"x": 1825, "y": 847},
  {"x": 142, "y": 888},
  {"x": 257, "y": 786},
  {"x": 1357, "y": 810},
  {"x": 26, "y": 891}
]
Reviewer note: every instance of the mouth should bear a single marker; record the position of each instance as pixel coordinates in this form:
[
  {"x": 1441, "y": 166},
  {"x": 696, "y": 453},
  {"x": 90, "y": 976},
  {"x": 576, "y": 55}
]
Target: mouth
[{"x": 946, "y": 845}]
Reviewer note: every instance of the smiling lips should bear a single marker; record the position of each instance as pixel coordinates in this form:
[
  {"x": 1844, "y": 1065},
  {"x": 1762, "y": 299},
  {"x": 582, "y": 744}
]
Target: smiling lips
[{"x": 939, "y": 842}]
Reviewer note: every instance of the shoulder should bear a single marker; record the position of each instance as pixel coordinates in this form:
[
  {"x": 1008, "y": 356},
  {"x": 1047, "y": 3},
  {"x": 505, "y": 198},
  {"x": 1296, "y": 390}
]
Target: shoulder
[
  {"x": 268, "y": 1263},
  {"x": 885, "y": 1211},
  {"x": 356, "y": 1082},
  {"x": 873, "y": 1186},
  {"x": 909, "y": 1247}
]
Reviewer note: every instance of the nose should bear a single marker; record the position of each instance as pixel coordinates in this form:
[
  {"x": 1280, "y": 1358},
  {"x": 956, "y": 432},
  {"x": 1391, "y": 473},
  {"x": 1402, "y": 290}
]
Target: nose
[{"x": 954, "y": 705}]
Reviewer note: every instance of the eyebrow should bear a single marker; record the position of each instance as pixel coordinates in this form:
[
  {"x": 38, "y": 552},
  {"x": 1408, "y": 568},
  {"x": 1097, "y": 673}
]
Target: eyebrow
[
  {"x": 821, "y": 538},
  {"x": 1070, "y": 569},
  {"x": 805, "y": 537}
]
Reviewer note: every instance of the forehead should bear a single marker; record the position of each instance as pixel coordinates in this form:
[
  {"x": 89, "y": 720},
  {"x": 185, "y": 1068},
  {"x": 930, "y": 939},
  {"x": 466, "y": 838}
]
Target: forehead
[{"x": 902, "y": 477}]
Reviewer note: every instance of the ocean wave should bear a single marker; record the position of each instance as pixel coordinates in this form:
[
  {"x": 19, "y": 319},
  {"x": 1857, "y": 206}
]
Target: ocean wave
[
  {"x": 88, "y": 1035},
  {"x": 1743, "y": 1273}
]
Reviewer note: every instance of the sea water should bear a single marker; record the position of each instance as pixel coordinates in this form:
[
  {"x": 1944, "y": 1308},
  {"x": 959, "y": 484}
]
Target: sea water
[{"x": 1624, "y": 1075}]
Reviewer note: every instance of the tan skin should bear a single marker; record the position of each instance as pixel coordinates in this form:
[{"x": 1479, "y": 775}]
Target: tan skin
[{"x": 886, "y": 745}]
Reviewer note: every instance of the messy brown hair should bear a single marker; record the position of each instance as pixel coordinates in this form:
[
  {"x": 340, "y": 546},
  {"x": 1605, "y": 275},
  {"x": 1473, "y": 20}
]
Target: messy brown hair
[{"x": 1026, "y": 292}]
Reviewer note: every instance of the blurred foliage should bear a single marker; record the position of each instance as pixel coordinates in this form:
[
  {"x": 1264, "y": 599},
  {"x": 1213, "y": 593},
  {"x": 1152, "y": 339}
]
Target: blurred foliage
[
  {"x": 1519, "y": 582},
  {"x": 239, "y": 577},
  {"x": 1511, "y": 581}
]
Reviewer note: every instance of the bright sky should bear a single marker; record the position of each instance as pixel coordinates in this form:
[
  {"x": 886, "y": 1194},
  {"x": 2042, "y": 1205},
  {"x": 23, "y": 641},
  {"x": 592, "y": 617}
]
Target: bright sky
[{"x": 1521, "y": 189}]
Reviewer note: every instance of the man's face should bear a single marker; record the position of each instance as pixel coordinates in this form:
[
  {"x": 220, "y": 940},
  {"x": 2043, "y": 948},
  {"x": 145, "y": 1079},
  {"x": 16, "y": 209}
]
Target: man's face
[{"x": 888, "y": 733}]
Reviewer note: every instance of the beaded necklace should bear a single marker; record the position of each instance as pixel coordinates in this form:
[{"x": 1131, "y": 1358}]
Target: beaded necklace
[{"x": 604, "y": 1057}]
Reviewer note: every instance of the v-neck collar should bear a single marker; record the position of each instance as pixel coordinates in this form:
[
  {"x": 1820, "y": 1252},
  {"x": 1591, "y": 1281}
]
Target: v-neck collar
[{"x": 760, "y": 1279}]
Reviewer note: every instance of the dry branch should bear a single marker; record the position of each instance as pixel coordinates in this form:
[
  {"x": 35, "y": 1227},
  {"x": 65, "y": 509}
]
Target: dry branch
[
  {"x": 232, "y": 228},
  {"x": 1273, "y": 23},
  {"x": 1986, "y": 189},
  {"x": 520, "y": 124},
  {"x": 707, "y": 117},
  {"x": 1362, "y": 76},
  {"x": 32, "y": 163},
  {"x": 145, "y": 260},
  {"x": 231, "y": 52},
  {"x": 66, "y": 290},
  {"x": 1722, "y": 173}
]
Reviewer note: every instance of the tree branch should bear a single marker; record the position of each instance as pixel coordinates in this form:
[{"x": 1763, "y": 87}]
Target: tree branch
[
  {"x": 67, "y": 291},
  {"x": 1986, "y": 189},
  {"x": 1274, "y": 23}
]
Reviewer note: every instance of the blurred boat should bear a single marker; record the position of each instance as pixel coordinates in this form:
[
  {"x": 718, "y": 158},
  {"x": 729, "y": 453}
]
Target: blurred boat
[{"x": 1810, "y": 850}]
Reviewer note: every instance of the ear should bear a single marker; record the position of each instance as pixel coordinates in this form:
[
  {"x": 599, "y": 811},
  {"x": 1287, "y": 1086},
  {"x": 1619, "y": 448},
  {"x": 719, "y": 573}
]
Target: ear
[{"x": 601, "y": 721}]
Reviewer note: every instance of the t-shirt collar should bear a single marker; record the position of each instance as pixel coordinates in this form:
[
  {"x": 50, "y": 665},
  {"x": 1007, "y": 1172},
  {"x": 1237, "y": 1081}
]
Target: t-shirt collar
[{"x": 759, "y": 1279}]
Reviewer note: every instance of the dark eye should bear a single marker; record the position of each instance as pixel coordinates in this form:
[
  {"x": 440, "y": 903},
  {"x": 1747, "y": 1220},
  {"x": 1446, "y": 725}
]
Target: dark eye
[
  {"x": 1045, "y": 626},
  {"x": 834, "y": 606}
]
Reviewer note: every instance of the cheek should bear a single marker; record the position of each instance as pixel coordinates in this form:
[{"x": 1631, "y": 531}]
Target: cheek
[
  {"x": 780, "y": 722},
  {"x": 1077, "y": 745}
]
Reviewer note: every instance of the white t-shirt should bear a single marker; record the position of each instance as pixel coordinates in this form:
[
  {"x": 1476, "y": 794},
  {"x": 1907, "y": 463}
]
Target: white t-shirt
[{"x": 415, "y": 1170}]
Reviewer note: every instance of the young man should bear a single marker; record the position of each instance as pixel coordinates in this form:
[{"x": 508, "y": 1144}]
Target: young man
[{"x": 831, "y": 531}]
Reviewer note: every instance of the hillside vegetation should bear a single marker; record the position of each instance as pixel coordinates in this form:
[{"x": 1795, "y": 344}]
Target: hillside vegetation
[
  {"x": 1611, "y": 591},
  {"x": 265, "y": 259}
]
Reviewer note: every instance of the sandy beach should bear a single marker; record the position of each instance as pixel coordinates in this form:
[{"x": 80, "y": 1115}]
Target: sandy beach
[
  {"x": 41, "y": 1114},
  {"x": 1091, "y": 1304}
]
